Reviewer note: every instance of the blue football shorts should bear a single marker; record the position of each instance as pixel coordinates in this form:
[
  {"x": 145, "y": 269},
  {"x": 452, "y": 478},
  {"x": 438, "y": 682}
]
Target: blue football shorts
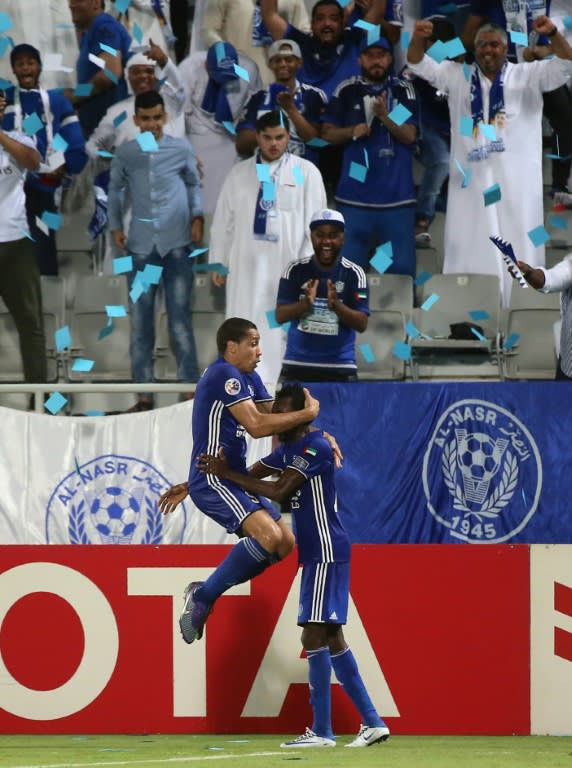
[
  {"x": 228, "y": 505},
  {"x": 324, "y": 593}
]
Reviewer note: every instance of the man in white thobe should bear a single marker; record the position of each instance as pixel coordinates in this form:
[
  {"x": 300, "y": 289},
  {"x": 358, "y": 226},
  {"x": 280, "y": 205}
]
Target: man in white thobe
[
  {"x": 501, "y": 103},
  {"x": 261, "y": 223}
]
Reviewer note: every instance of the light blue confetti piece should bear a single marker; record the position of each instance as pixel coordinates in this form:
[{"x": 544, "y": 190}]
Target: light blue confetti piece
[
  {"x": 478, "y": 334},
  {"x": 405, "y": 39},
  {"x": 104, "y": 153},
  {"x": 492, "y": 195},
  {"x": 467, "y": 178},
  {"x": 5, "y": 84},
  {"x": 399, "y": 114},
  {"x": 140, "y": 280},
  {"x": 115, "y": 310},
  {"x": 82, "y": 365},
  {"x": 402, "y": 350},
  {"x": 381, "y": 260},
  {"x": 479, "y": 314},
  {"x": 108, "y": 49},
  {"x": 215, "y": 267},
  {"x": 357, "y": 171},
  {"x": 83, "y": 90},
  {"x": 268, "y": 191},
  {"x": 437, "y": 51},
  {"x": 454, "y": 48},
  {"x": 373, "y": 34},
  {"x": 111, "y": 75},
  {"x": 6, "y": 22},
  {"x": 94, "y": 413},
  {"x": 147, "y": 221},
  {"x": 263, "y": 172},
  {"x": 271, "y": 319},
  {"x": 106, "y": 330},
  {"x": 241, "y": 72},
  {"x": 52, "y": 220},
  {"x": 26, "y": 234},
  {"x": 137, "y": 290},
  {"x": 152, "y": 273},
  {"x": 488, "y": 131},
  {"x": 518, "y": 38},
  {"x": 368, "y": 26},
  {"x": 422, "y": 278},
  {"x": 229, "y": 127},
  {"x": 343, "y": 3},
  {"x": 147, "y": 142},
  {"x": 466, "y": 71},
  {"x": 197, "y": 252},
  {"x": 32, "y": 124},
  {"x": 466, "y": 127},
  {"x": 366, "y": 158},
  {"x": 59, "y": 144},
  {"x": 538, "y": 236},
  {"x": 448, "y": 8},
  {"x": 55, "y": 403},
  {"x": 219, "y": 51},
  {"x": 411, "y": 330},
  {"x": 4, "y": 45},
  {"x": 298, "y": 174},
  {"x": 367, "y": 353},
  {"x": 122, "y": 5},
  {"x": 121, "y": 117},
  {"x": 511, "y": 341},
  {"x": 122, "y": 264},
  {"x": 557, "y": 221},
  {"x": 430, "y": 301},
  {"x": 63, "y": 338},
  {"x": 567, "y": 22},
  {"x": 137, "y": 32},
  {"x": 317, "y": 142}
]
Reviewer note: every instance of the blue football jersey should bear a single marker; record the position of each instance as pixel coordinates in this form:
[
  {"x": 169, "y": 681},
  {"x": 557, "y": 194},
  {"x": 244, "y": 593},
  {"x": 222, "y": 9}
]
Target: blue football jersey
[
  {"x": 221, "y": 386},
  {"x": 320, "y": 535}
]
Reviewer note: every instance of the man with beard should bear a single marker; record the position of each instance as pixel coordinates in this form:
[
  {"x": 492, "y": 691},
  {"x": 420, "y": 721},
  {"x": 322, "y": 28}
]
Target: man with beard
[
  {"x": 503, "y": 150},
  {"x": 324, "y": 297},
  {"x": 375, "y": 193}
]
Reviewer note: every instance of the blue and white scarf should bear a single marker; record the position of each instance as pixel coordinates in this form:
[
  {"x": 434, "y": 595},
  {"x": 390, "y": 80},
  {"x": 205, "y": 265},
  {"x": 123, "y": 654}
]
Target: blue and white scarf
[
  {"x": 264, "y": 204},
  {"x": 221, "y": 58},
  {"x": 496, "y": 97},
  {"x": 260, "y": 35}
]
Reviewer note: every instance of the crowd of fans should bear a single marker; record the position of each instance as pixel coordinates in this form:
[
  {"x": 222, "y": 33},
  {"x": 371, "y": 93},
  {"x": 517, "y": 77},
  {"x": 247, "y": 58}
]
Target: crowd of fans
[{"x": 352, "y": 93}]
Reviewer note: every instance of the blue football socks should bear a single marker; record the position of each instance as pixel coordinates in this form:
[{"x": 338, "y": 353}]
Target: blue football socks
[
  {"x": 319, "y": 678},
  {"x": 245, "y": 561},
  {"x": 347, "y": 672}
]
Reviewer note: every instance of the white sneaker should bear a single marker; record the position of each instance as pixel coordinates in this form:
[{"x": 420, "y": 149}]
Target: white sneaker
[
  {"x": 310, "y": 739},
  {"x": 370, "y": 734}
]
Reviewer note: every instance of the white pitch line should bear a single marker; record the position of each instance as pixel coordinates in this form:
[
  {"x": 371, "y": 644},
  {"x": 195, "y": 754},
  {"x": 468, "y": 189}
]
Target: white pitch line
[{"x": 159, "y": 760}]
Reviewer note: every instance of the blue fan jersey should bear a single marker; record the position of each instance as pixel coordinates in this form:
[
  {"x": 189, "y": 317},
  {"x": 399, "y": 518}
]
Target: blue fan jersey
[
  {"x": 221, "y": 386},
  {"x": 320, "y": 535},
  {"x": 318, "y": 338}
]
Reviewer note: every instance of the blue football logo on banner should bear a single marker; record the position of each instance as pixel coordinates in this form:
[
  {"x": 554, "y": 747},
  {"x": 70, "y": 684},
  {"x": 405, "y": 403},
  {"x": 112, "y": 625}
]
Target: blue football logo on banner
[
  {"x": 482, "y": 472},
  {"x": 112, "y": 500}
]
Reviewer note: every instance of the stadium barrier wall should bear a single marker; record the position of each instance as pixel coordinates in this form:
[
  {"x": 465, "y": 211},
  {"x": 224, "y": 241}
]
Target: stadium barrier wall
[{"x": 90, "y": 643}]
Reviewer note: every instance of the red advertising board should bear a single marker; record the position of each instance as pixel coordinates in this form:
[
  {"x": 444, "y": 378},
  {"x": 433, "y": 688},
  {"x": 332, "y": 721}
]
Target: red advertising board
[{"x": 89, "y": 642}]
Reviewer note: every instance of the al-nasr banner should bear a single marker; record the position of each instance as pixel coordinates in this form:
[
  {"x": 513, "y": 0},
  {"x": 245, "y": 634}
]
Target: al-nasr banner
[
  {"x": 97, "y": 480},
  {"x": 423, "y": 463},
  {"x": 453, "y": 462}
]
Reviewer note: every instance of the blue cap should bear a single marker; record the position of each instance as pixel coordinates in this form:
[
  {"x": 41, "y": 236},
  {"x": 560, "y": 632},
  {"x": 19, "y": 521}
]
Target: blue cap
[
  {"x": 24, "y": 49},
  {"x": 381, "y": 42}
]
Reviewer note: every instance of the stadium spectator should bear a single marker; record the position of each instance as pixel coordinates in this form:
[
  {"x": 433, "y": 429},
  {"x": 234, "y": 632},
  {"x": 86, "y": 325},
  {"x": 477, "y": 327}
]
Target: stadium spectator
[
  {"x": 215, "y": 98},
  {"x": 105, "y": 85},
  {"x": 302, "y": 103},
  {"x": 378, "y": 202},
  {"x": 160, "y": 179},
  {"x": 324, "y": 297},
  {"x": 58, "y": 119},
  {"x": 434, "y": 139},
  {"x": 19, "y": 274},
  {"x": 260, "y": 224},
  {"x": 240, "y": 23},
  {"x": 231, "y": 400},
  {"x": 499, "y": 189},
  {"x": 556, "y": 279},
  {"x": 557, "y": 102},
  {"x": 304, "y": 465}
]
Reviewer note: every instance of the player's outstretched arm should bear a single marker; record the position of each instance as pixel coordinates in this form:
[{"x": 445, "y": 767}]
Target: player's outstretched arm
[
  {"x": 259, "y": 424},
  {"x": 172, "y": 498}
]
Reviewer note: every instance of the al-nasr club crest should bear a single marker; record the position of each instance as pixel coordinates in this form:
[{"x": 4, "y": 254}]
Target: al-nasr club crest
[
  {"x": 482, "y": 472},
  {"x": 112, "y": 499}
]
